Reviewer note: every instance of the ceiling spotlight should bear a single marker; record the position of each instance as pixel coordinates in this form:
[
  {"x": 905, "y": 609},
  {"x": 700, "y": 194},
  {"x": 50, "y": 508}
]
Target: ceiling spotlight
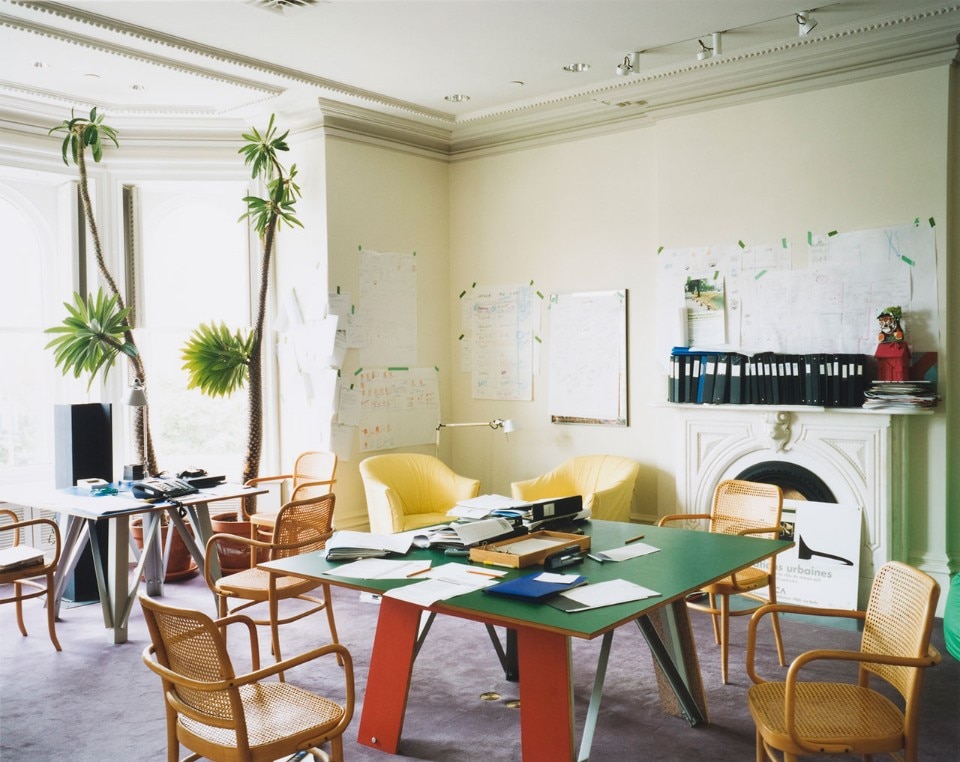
[
  {"x": 577, "y": 67},
  {"x": 631, "y": 62},
  {"x": 806, "y": 22},
  {"x": 456, "y": 98}
]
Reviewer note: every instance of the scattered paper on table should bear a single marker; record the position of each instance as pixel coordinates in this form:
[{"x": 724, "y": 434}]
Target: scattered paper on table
[
  {"x": 380, "y": 568},
  {"x": 429, "y": 591},
  {"x": 633, "y": 550},
  {"x": 601, "y": 594}
]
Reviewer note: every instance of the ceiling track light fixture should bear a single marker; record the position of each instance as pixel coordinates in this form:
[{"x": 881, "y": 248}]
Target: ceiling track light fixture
[
  {"x": 630, "y": 65},
  {"x": 805, "y": 22},
  {"x": 706, "y": 51}
]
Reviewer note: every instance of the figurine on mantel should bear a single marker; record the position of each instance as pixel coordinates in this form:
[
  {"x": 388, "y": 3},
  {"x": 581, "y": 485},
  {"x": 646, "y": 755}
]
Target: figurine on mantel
[{"x": 893, "y": 353}]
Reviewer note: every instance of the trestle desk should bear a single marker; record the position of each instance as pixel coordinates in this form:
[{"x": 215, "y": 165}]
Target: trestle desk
[
  {"x": 686, "y": 561},
  {"x": 79, "y": 514}
]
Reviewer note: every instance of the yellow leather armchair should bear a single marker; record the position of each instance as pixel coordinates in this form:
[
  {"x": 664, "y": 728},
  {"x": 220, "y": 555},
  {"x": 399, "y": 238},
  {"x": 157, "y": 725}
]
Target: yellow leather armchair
[
  {"x": 606, "y": 483},
  {"x": 409, "y": 490}
]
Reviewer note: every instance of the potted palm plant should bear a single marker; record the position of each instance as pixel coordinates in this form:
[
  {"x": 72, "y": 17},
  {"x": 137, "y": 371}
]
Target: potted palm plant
[
  {"x": 219, "y": 361},
  {"x": 96, "y": 331}
]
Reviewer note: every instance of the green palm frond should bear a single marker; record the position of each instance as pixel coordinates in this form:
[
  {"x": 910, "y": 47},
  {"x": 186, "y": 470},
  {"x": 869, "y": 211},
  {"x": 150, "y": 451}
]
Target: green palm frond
[
  {"x": 82, "y": 133},
  {"x": 92, "y": 336},
  {"x": 216, "y": 360}
]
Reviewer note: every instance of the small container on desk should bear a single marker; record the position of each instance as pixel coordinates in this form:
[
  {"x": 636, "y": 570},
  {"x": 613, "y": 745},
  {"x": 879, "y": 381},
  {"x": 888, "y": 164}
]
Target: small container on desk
[{"x": 527, "y": 550}]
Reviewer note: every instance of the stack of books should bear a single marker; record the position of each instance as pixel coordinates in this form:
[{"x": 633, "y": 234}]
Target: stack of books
[{"x": 900, "y": 395}]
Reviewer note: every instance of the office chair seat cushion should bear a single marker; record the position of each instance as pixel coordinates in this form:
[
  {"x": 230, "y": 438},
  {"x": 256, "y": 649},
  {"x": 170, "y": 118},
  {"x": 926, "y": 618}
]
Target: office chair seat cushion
[
  {"x": 274, "y": 712},
  {"x": 827, "y": 712}
]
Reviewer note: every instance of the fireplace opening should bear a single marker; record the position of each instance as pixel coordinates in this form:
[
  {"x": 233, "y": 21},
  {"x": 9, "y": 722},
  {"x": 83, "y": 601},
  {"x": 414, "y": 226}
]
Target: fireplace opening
[{"x": 797, "y": 483}]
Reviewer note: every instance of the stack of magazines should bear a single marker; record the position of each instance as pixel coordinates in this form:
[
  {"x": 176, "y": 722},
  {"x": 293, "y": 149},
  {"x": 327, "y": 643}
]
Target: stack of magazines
[{"x": 900, "y": 395}]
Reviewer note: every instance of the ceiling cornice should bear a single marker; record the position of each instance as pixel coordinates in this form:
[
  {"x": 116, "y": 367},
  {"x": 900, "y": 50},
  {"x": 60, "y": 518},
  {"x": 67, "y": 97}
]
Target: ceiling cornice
[
  {"x": 902, "y": 43},
  {"x": 899, "y": 45}
]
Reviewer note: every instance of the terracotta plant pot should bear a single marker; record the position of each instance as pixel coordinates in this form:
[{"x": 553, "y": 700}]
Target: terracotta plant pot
[
  {"x": 233, "y": 557},
  {"x": 180, "y": 564}
]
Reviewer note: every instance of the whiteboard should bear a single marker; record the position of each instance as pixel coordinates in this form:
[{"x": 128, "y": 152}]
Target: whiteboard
[{"x": 588, "y": 358}]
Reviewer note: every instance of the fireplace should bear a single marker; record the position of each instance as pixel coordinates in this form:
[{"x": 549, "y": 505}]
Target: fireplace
[{"x": 845, "y": 456}]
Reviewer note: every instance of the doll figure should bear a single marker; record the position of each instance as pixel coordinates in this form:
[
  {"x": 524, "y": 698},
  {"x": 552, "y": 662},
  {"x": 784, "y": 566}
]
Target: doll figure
[{"x": 893, "y": 354}]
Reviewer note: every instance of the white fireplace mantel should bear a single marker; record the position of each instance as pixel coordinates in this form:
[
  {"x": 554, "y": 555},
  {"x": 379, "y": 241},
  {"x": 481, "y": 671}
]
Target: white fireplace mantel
[{"x": 860, "y": 455}]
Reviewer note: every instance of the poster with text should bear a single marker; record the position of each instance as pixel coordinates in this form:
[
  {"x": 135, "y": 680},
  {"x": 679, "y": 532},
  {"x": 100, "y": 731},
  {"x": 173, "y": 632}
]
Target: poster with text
[{"x": 823, "y": 567}]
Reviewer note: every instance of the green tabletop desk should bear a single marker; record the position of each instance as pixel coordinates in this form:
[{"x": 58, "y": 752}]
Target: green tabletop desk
[{"x": 686, "y": 561}]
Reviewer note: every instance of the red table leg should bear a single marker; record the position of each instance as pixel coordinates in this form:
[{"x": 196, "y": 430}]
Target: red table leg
[
  {"x": 546, "y": 696},
  {"x": 388, "y": 683}
]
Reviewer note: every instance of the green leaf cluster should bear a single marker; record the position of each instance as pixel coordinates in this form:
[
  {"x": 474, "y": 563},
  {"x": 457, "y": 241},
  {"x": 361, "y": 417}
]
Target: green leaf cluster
[
  {"x": 216, "y": 360},
  {"x": 83, "y": 132},
  {"x": 92, "y": 336},
  {"x": 260, "y": 153}
]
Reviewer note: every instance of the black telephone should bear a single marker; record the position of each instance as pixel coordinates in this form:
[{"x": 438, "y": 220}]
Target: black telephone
[{"x": 149, "y": 489}]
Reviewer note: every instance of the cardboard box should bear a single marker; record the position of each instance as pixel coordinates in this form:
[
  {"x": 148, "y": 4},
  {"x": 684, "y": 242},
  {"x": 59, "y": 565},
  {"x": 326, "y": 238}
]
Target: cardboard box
[{"x": 527, "y": 550}]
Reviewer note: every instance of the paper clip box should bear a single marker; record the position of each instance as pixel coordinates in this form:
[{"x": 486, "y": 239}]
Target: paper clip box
[{"x": 527, "y": 550}]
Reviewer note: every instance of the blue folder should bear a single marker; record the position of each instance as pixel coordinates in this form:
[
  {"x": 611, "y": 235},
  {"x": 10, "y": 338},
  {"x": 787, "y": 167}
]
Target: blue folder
[{"x": 531, "y": 589}]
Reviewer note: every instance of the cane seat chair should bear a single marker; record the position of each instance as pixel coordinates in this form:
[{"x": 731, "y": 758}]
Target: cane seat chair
[
  {"x": 743, "y": 508},
  {"x": 23, "y": 567},
  {"x": 221, "y": 715},
  {"x": 314, "y": 473},
  {"x": 302, "y": 526},
  {"x": 804, "y": 716}
]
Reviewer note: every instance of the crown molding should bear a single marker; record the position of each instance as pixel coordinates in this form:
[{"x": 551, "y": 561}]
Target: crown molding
[{"x": 905, "y": 42}]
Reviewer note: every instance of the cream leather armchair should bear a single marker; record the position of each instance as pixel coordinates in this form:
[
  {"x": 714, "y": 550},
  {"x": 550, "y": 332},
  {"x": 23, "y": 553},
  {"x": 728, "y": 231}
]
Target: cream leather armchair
[
  {"x": 606, "y": 483},
  {"x": 409, "y": 490}
]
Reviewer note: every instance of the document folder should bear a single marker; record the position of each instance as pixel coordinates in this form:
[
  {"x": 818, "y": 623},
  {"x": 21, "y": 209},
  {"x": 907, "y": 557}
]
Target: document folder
[{"x": 531, "y": 588}]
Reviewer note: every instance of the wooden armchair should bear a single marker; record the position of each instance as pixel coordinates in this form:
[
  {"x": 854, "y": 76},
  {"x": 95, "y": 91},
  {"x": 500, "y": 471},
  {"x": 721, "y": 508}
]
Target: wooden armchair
[
  {"x": 802, "y": 716},
  {"x": 745, "y": 508},
  {"x": 313, "y": 474},
  {"x": 221, "y": 715},
  {"x": 302, "y": 526},
  {"x": 22, "y": 566}
]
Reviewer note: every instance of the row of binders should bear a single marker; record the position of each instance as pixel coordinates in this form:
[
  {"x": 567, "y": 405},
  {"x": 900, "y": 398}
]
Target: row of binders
[{"x": 766, "y": 378}]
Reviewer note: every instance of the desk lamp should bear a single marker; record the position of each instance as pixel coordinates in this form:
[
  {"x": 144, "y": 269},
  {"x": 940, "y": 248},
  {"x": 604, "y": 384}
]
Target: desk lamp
[
  {"x": 497, "y": 423},
  {"x": 136, "y": 397}
]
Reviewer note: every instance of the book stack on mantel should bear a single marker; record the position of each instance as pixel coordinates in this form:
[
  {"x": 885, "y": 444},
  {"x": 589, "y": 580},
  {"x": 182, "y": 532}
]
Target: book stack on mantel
[{"x": 900, "y": 395}]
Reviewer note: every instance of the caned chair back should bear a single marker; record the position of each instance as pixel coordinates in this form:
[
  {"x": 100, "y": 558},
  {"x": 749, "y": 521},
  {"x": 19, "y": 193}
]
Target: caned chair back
[
  {"x": 303, "y": 526},
  {"x": 314, "y": 473},
  {"x": 740, "y": 505},
  {"x": 899, "y": 620},
  {"x": 189, "y": 644}
]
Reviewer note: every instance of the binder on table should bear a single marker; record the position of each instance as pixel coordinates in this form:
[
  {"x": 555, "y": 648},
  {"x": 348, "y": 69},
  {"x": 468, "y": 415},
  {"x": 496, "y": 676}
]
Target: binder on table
[{"x": 531, "y": 588}]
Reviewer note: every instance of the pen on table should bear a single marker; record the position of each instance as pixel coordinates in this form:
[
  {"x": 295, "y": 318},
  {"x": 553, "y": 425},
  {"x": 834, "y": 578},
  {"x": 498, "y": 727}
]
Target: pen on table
[
  {"x": 419, "y": 571},
  {"x": 633, "y": 539},
  {"x": 482, "y": 573}
]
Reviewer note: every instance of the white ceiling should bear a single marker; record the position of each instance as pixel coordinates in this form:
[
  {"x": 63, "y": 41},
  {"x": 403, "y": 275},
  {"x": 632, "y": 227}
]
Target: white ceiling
[{"x": 206, "y": 59}]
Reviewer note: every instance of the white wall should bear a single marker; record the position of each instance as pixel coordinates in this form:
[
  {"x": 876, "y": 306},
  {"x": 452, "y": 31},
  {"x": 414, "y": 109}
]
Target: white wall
[
  {"x": 384, "y": 200},
  {"x": 591, "y": 214}
]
